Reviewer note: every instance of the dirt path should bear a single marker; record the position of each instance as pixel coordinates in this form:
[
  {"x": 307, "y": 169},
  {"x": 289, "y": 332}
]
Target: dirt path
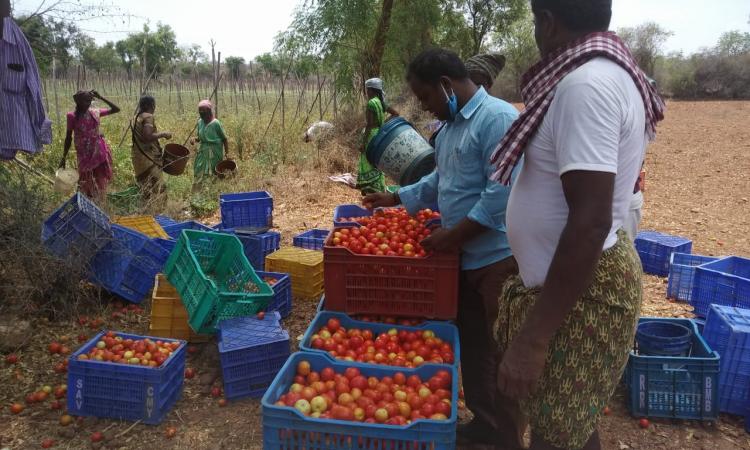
[{"x": 687, "y": 195}]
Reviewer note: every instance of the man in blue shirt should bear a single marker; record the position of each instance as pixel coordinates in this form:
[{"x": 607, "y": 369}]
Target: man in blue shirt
[{"x": 473, "y": 218}]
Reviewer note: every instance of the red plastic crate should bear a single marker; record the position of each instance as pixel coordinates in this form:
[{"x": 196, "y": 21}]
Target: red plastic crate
[{"x": 391, "y": 285}]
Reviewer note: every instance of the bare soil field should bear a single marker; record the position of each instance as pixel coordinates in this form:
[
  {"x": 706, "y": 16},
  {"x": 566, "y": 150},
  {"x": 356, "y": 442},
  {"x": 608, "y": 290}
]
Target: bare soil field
[{"x": 697, "y": 185}]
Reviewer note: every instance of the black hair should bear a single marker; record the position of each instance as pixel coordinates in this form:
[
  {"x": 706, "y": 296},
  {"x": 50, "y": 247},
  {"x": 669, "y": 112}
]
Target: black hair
[
  {"x": 430, "y": 65},
  {"x": 78, "y": 113},
  {"x": 146, "y": 102},
  {"x": 578, "y": 15}
]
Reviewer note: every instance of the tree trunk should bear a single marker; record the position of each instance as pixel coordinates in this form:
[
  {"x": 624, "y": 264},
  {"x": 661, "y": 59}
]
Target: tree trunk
[{"x": 375, "y": 57}]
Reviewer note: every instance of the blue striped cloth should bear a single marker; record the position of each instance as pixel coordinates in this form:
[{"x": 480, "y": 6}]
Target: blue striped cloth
[{"x": 23, "y": 122}]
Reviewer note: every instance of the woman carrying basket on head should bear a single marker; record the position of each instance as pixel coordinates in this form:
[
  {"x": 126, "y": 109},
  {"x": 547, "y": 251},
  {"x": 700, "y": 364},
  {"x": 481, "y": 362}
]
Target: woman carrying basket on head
[
  {"x": 92, "y": 152},
  {"x": 147, "y": 152}
]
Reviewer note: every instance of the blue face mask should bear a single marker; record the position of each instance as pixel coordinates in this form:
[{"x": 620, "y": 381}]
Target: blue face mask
[{"x": 452, "y": 102}]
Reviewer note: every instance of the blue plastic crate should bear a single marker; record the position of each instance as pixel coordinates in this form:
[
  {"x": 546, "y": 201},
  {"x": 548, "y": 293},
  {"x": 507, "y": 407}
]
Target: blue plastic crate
[
  {"x": 146, "y": 263},
  {"x": 174, "y": 230},
  {"x": 257, "y": 246},
  {"x": 128, "y": 264},
  {"x": 727, "y": 331},
  {"x": 655, "y": 250},
  {"x": 348, "y": 211},
  {"x": 681, "y": 274},
  {"x": 321, "y": 304},
  {"x": 251, "y": 351},
  {"x": 164, "y": 220},
  {"x": 700, "y": 324},
  {"x": 682, "y": 387},
  {"x": 444, "y": 330},
  {"x": 76, "y": 230},
  {"x": 120, "y": 391},
  {"x": 723, "y": 282},
  {"x": 282, "y": 293},
  {"x": 287, "y": 428},
  {"x": 246, "y": 209},
  {"x": 166, "y": 244},
  {"x": 109, "y": 265},
  {"x": 311, "y": 239}
]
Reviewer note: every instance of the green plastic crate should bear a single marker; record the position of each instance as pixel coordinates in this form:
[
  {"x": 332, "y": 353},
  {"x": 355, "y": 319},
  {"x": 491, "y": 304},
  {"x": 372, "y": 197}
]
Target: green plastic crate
[{"x": 210, "y": 272}]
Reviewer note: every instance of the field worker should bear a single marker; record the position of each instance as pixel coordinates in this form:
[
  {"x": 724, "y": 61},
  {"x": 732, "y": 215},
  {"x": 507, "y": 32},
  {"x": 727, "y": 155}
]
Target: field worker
[
  {"x": 92, "y": 152},
  {"x": 473, "y": 214},
  {"x": 147, "y": 152},
  {"x": 214, "y": 145},
  {"x": 567, "y": 323},
  {"x": 630, "y": 226},
  {"x": 370, "y": 179},
  {"x": 483, "y": 69}
]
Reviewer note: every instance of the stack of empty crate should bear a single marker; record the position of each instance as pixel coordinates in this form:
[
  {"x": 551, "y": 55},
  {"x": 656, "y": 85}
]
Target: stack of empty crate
[{"x": 252, "y": 350}]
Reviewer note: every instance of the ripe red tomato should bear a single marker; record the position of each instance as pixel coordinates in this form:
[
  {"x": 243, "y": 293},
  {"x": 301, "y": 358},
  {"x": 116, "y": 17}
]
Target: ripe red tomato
[
  {"x": 427, "y": 410},
  {"x": 643, "y": 423},
  {"x": 443, "y": 408},
  {"x": 11, "y": 359},
  {"x": 16, "y": 408},
  {"x": 413, "y": 381},
  {"x": 48, "y": 443},
  {"x": 189, "y": 373},
  {"x": 97, "y": 437},
  {"x": 327, "y": 374},
  {"x": 333, "y": 324},
  {"x": 351, "y": 372}
]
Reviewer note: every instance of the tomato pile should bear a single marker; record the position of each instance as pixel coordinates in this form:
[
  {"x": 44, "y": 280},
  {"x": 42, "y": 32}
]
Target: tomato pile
[
  {"x": 141, "y": 352},
  {"x": 394, "y": 348},
  {"x": 390, "y": 232},
  {"x": 396, "y": 400}
]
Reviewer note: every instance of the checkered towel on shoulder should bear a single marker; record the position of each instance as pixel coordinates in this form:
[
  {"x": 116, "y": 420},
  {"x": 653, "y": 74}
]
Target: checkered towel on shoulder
[{"x": 538, "y": 90}]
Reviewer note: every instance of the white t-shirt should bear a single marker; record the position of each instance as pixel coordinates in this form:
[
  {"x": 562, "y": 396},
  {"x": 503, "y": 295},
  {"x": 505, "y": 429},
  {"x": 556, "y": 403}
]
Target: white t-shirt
[{"x": 596, "y": 122}]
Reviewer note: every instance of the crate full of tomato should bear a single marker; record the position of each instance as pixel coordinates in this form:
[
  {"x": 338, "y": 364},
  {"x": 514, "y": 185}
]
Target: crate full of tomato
[
  {"x": 128, "y": 377},
  {"x": 347, "y": 338},
  {"x": 315, "y": 402},
  {"x": 380, "y": 268}
]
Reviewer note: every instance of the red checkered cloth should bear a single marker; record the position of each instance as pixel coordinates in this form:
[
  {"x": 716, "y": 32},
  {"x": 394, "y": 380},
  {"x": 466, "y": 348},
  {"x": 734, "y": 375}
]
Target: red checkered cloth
[{"x": 538, "y": 90}]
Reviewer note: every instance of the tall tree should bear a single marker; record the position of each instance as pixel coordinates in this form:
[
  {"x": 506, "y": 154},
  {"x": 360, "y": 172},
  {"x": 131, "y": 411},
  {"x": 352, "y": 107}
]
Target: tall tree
[
  {"x": 152, "y": 50},
  {"x": 646, "y": 41},
  {"x": 374, "y": 56},
  {"x": 235, "y": 66},
  {"x": 483, "y": 17},
  {"x": 734, "y": 43}
]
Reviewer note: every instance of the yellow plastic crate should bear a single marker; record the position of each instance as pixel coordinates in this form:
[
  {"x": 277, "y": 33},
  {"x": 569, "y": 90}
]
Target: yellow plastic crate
[
  {"x": 144, "y": 224},
  {"x": 305, "y": 268},
  {"x": 169, "y": 317}
]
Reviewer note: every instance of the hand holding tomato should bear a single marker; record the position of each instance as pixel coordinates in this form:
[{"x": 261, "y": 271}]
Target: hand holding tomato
[
  {"x": 441, "y": 240},
  {"x": 379, "y": 200},
  {"x": 521, "y": 367}
]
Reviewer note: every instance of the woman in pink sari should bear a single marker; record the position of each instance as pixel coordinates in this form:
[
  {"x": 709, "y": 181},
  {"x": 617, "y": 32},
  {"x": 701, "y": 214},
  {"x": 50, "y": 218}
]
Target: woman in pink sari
[{"x": 93, "y": 153}]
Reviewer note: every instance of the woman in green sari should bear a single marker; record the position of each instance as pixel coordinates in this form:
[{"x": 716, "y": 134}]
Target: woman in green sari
[
  {"x": 214, "y": 145},
  {"x": 370, "y": 179}
]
